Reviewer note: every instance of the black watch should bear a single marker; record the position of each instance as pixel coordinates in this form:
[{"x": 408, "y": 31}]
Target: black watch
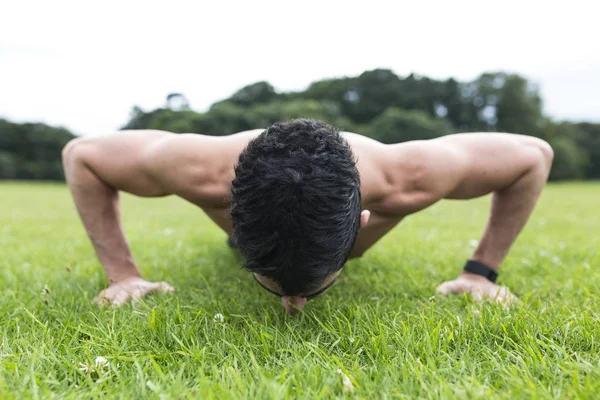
[{"x": 477, "y": 268}]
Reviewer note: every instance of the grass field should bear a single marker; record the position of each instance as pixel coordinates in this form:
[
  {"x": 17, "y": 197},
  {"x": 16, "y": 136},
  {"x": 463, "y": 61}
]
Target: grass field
[{"x": 379, "y": 324}]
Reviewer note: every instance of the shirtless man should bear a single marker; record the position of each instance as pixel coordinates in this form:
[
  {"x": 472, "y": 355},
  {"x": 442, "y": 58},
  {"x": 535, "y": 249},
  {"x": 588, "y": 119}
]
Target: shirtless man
[{"x": 300, "y": 198}]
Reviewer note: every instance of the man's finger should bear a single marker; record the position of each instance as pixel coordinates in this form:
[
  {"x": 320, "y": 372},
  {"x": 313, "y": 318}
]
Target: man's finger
[
  {"x": 102, "y": 299},
  {"x": 505, "y": 297},
  {"x": 443, "y": 289},
  {"x": 120, "y": 298},
  {"x": 477, "y": 295},
  {"x": 449, "y": 287},
  {"x": 136, "y": 295},
  {"x": 164, "y": 287}
]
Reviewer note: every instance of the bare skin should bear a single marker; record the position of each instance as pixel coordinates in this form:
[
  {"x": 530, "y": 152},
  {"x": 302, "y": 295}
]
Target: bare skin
[{"x": 397, "y": 181}]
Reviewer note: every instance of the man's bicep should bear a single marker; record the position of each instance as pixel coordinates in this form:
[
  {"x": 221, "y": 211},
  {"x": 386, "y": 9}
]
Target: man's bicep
[
  {"x": 422, "y": 172},
  {"x": 440, "y": 169},
  {"x": 488, "y": 162}
]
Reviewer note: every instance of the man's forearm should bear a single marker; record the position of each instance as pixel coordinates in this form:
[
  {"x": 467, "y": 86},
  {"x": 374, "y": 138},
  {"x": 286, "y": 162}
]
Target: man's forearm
[
  {"x": 510, "y": 210},
  {"x": 98, "y": 207}
]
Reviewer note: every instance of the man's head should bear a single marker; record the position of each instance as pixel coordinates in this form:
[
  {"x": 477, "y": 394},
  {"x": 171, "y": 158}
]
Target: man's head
[{"x": 296, "y": 205}]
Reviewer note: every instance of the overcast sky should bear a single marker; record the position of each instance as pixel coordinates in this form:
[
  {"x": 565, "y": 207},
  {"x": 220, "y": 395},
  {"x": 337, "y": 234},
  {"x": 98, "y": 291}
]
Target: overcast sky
[{"x": 84, "y": 66}]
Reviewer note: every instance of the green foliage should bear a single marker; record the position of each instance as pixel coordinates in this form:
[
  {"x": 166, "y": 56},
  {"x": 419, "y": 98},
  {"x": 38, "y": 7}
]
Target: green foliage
[
  {"x": 371, "y": 94},
  {"x": 571, "y": 157},
  {"x": 256, "y": 93},
  {"x": 589, "y": 142},
  {"x": 499, "y": 102},
  {"x": 365, "y": 97},
  {"x": 31, "y": 151},
  {"x": 519, "y": 108},
  {"x": 227, "y": 117},
  {"x": 177, "y": 101},
  {"x": 264, "y": 115},
  {"x": 396, "y": 125},
  {"x": 380, "y": 323},
  {"x": 570, "y": 161}
]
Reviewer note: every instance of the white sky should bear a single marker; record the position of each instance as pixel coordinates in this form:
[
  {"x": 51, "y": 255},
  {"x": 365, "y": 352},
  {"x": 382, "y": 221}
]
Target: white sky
[{"x": 84, "y": 66}]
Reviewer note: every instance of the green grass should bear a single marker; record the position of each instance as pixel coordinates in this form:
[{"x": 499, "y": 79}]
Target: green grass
[{"x": 379, "y": 324}]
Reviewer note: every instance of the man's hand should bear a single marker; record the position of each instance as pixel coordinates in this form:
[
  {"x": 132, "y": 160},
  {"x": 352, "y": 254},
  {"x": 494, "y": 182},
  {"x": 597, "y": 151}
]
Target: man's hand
[
  {"x": 479, "y": 288},
  {"x": 130, "y": 289}
]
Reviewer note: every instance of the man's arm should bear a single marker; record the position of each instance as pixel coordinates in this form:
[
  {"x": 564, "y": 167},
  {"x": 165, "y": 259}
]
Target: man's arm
[
  {"x": 512, "y": 167},
  {"x": 96, "y": 169}
]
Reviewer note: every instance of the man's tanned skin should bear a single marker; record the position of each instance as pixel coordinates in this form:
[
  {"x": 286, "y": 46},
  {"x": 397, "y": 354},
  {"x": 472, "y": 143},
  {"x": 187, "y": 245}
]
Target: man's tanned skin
[{"x": 396, "y": 181}]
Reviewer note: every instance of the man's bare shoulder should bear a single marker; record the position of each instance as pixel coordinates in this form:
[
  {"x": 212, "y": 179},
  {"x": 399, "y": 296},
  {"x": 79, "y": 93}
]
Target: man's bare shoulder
[
  {"x": 194, "y": 166},
  {"x": 396, "y": 178}
]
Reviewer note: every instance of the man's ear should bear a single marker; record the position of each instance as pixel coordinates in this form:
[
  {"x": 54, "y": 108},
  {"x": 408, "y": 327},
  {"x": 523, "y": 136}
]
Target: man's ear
[{"x": 364, "y": 218}]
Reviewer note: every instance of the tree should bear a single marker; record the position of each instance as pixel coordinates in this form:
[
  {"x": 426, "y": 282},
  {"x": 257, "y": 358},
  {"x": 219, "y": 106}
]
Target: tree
[
  {"x": 519, "y": 107},
  {"x": 570, "y": 162},
  {"x": 263, "y": 115},
  {"x": 396, "y": 125},
  {"x": 590, "y": 142},
  {"x": 139, "y": 119},
  {"x": 256, "y": 93},
  {"x": 177, "y": 102},
  {"x": 31, "y": 151},
  {"x": 570, "y": 159}
]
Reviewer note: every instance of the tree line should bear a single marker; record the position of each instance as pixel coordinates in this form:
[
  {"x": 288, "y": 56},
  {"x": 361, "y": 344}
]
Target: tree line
[{"x": 377, "y": 103}]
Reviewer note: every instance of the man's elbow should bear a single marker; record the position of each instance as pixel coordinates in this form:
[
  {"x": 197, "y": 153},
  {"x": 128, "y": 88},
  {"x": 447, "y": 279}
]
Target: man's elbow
[
  {"x": 69, "y": 148},
  {"x": 72, "y": 153},
  {"x": 546, "y": 153}
]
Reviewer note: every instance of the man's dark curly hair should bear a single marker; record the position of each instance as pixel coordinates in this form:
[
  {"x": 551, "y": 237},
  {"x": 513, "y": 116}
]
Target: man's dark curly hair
[{"x": 296, "y": 204}]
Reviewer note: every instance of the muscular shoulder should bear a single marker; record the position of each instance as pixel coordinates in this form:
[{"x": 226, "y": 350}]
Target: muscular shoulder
[
  {"x": 196, "y": 167},
  {"x": 418, "y": 174},
  {"x": 393, "y": 177},
  {"x": 371, "y": 168}
]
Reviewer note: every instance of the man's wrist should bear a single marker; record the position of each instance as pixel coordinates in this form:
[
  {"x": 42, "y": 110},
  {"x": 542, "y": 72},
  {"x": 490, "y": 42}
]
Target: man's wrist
[
  {"x": 116, "y": 275},
  {"x": 474, "y": 267}
]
